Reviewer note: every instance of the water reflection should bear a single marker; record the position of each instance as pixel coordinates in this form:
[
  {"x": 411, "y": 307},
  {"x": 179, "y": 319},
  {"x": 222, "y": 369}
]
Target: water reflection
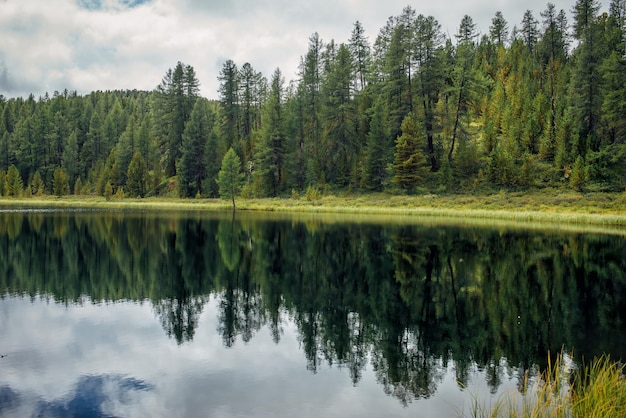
[{"x": 407, "y": 300}]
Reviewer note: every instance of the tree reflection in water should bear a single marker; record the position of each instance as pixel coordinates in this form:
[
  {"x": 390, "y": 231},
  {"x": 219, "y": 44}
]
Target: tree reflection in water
[{"x": 409, "y": 300}]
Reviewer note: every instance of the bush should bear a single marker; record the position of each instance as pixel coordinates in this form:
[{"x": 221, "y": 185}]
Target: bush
[{"x": 312, "y": 193}]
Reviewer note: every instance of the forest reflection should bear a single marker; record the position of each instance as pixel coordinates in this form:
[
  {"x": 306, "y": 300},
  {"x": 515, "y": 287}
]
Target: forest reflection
[{"x": 406, "y": 299}]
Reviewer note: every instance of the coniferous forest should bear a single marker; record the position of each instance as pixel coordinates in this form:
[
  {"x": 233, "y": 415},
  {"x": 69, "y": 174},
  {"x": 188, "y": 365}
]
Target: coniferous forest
[{"x": 539, "y": 103}]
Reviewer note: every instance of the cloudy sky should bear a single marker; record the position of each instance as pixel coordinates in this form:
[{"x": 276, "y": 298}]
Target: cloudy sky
[
  {"x": 115, "y": 359},
  {"x": 88, "y": 45}
]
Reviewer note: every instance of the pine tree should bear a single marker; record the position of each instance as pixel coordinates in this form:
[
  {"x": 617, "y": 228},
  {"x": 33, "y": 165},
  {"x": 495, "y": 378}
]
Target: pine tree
[
  {"x": 360, "y": 50},
  {"x": 498, "y": 31},
  {"x": 529, "y": 31}
]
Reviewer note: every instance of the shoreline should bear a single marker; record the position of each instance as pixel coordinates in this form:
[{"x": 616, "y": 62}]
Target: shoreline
[{"x": 605, "y": 210}]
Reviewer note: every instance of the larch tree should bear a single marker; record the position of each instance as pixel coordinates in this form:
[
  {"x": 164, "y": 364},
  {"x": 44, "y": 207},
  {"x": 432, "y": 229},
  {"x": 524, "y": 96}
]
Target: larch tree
[{"x": 410, "y": 164}]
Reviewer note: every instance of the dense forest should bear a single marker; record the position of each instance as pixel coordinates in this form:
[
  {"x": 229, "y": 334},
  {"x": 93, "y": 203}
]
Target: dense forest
[{"x": 541, "y": 103}]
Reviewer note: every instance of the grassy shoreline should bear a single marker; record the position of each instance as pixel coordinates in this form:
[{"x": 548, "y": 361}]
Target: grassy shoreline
[{"x": 601, "y": 209}]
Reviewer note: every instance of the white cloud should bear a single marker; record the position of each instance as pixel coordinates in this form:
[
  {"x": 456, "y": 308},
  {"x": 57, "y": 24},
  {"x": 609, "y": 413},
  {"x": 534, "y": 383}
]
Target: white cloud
[{"x": 129, "y": 44}]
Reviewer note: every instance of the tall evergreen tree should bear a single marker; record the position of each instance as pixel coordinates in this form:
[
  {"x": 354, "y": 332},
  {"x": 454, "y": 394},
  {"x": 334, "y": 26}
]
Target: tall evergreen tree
[
  {"x": 192, "y": 168},
  {"x": 378, "y": 150},
  {"x": 270, "y": 156},
  {"x": 229, "y": 99},
  {"x": 310, "y": 82},
  {"x": 586, "y": 76},
  {"x": 410, "y": 164},
  {"x": 430, "y": 78},
  {"x": 360, "y": 50},
  {"x": 172, "y": 104},
  {"x": 498, "y": 31},
  {"x": 137, "y": 176},
  {"x": 529, "y": 30},
  {"x": 339, "y": 118}
]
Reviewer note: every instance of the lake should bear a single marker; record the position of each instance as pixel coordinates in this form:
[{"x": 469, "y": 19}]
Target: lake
[{"x": 133, "y": 314}]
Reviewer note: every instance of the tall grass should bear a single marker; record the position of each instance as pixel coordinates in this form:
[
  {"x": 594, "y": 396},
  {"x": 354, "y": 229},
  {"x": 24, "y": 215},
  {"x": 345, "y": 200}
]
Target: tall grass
[
  {"x": 596, "y": 390},
  {"x": 599, "y": 209}
]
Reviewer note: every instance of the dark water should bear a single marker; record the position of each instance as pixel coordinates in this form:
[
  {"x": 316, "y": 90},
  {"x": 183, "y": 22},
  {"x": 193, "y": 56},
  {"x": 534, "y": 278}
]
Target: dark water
[{"x": 189, "y": 315}]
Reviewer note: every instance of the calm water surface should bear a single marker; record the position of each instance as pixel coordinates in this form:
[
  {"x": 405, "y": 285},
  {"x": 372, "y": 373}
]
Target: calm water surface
[{"x": 146, "y": 315}]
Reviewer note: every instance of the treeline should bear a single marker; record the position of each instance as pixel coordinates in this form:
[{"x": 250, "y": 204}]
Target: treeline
[{"x": 541, "y": 104}]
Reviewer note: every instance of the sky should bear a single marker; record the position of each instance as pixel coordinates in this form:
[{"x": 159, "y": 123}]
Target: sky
[{"x": 88, "y": 45}]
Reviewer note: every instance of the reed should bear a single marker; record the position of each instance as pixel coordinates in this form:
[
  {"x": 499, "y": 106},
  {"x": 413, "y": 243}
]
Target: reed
[
  {"x": 596, "y": 390},
  {"x": 542, "y": 207}
]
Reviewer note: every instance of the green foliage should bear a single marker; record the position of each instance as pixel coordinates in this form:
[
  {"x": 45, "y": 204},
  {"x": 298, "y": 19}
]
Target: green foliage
[
  {"x": 137, "y": 177},
  {"x": 501, "y": 169},
  {"x": 528, "y": 172},
  {"x": 14, "y": 185},
  {"x": 119, "y": 194},
  {"x": 410, "y": 164},
  {"x": 607, "y": 167},
  {"x": 172, "y": 104},
  {"x": 493, "y": 104},
  {"x": 37, "y": 186},
  {"x": 230, "y": 178},
  {"x": 377, "y": 153},
  {"x": 192, "y": 166},
  {"x": 3, "y": 183},
  {"x": 579, "y": 175},
  {"x": 108, "y": 191},
  {"x": 78, "y": 187},
  {"x": 269, "y": 162},
  {"x": 60, "y": 182},
  {"x": 312, "y": 193}
]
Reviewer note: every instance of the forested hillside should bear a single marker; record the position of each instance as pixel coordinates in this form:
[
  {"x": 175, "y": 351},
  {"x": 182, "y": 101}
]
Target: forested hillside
[{"x": 539, "y": 103}]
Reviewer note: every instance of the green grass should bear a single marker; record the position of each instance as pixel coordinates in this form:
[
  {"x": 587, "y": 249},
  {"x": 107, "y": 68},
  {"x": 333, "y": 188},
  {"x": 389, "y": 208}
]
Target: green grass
[
  {"x": 595, "y": 390},
  {"x": 546, "y": 206}
]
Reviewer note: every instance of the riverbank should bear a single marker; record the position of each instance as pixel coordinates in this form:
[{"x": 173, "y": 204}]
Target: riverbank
[{"x": 603, "y": 209}]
